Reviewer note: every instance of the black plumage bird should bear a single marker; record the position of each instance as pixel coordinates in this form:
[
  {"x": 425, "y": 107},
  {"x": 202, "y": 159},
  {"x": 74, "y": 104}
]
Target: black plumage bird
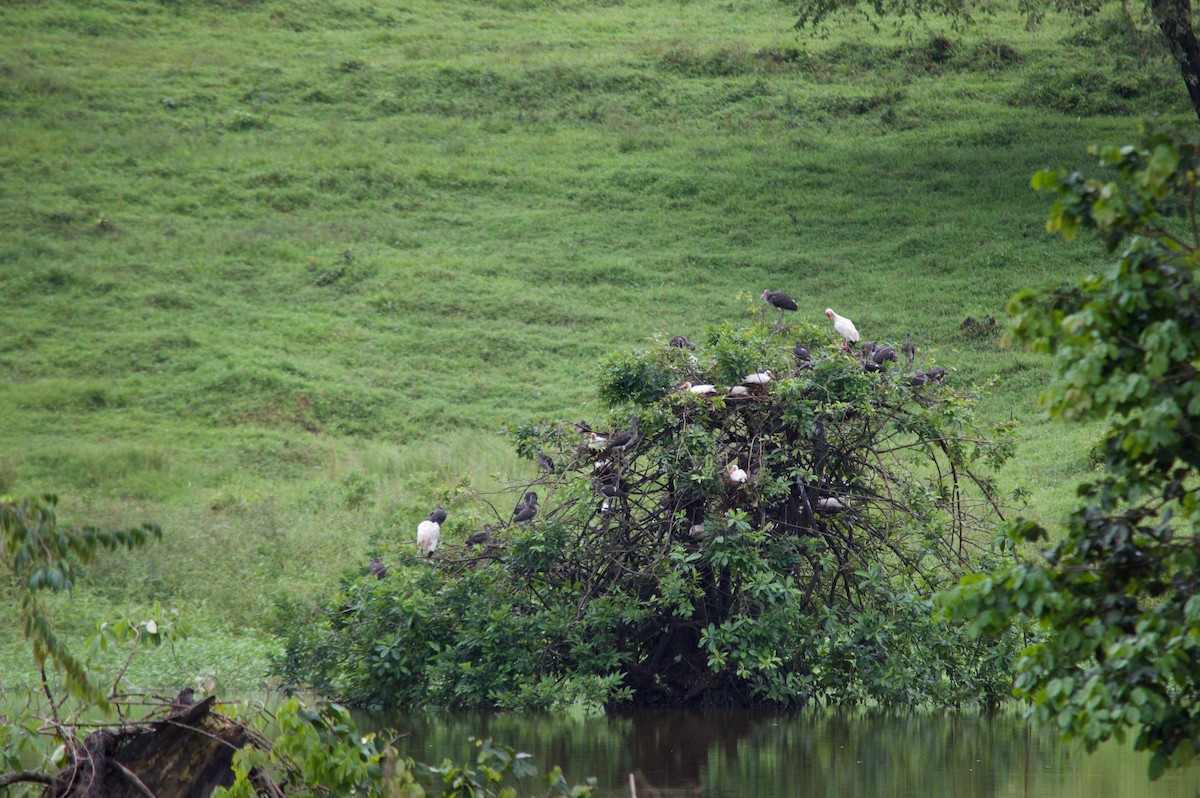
[
  {"x": 438, "y": 516},
  {"x": 884, "y": 354},
  {"x": 780, "y": 301},
  {"x": 926, "y": 377},
  {"x": 803, "y": 356},
  {"x": 908, "y": 349},
  {"x": 480, "y": 537},
  {"x": 545, "y": 463},
  {"x": 526, "y": 510},
  {"x": 378, "y": 569},
  {"x": 682, "y": 342}
]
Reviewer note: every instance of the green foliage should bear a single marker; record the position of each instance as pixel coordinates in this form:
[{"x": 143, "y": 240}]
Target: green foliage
[
  {"x": 1119, "y": 595},
  {"x": 650, "y": 578},
  {"x": 39, "y": 554},
  {"x": 320, "y": 752}
]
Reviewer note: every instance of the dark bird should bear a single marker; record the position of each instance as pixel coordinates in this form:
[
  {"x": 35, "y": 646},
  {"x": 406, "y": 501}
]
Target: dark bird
[
  {"x": 780, "y": 301},
  {"x": 185, "y": 699},
  {"x": 925, "y": 377},
  {"x": 802, "y": 354},
  {"x": 438, "y": 516},
  {"x": 378, "y": 569},
  {"x": 868, "y": 349},
  {"x": 682, "y": 342},
  {"x": 908, "y": 349},
  {"x": 480, "y": 537},
  {"x": 526, "y": 510},
  {"x": 623, "y": 440},
  {"x": 582, "y": 428},
  {"x": 545, "y": 463},
  {"x": 883, "y": 355}
]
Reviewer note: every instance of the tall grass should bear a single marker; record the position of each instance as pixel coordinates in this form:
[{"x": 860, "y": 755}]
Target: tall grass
[{"x": 279, "y": 271}]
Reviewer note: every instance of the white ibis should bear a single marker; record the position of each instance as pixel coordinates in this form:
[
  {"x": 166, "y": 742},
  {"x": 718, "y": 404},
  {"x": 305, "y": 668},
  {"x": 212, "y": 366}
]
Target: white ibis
[
  {"x": 623, "y": 440},
  {"x": 831, "y": 504},
  {"x": 596, "y": 440},
  {"x": 378, "y": 569},
  {"x": 545, "y": 463},
  {"x": 739, "y": 390},
  {"x": 844, "y": 327},
  {"x": 438, "y": 516},
  {"x": 682, "y": 342},
  {"x": 428, "y": 533},
  {"x": 908, "y": 349},
  {"x": 735, "y": 474},
  {"x": 699, "y": 390},
  {"x": 526, "y": 510},
  {"x": 761, "y": 378},
  {"x": 780, "y": 301}
]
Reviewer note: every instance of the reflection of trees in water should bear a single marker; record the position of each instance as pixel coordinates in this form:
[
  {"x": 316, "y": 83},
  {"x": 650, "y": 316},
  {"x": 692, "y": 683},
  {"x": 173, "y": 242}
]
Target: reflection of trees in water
[{"x": 730, "y": 754}]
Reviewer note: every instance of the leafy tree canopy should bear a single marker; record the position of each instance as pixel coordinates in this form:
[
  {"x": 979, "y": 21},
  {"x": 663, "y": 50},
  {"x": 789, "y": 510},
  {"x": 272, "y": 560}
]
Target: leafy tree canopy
[
  {"x": 1119, "y": 593},
  {"x": 655, "y": 574}
]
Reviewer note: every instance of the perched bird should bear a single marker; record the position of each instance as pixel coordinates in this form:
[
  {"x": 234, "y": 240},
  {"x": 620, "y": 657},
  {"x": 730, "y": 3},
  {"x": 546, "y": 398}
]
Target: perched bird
[
  {"x": 428, "y": 533},
  {"x": 596, "y": 440},
  {"x": 761, "y": 378},
  {"x": 908, "y": 349},
  {"x": 582, "y": 428},
  {"x": 803, "y": 356},
  {"x": 699, "y": 390},
  {"x": 623, "y": 440},
  {"x": 844, "y": 327},
  {"x": 831, "y": 504},
  {"x": 739, "y": 390},
  {"x": 780, "y": 301},
  {"x": 480, "y": 537},
  {"x": 185, "y": 699},
  {"x": 378, "y": 569},
  {"x": 526, "y": 510},
  {"x": 884, "y": 354},
  {"x": 735, "y": 474},
  {"x": 928, "y": 376},
  {"x": 698, "y": 532},
  {"x": 545, "y": 463},
  {"x": 682, "y": 342},
  {"x": 868, "y": 349},
  {"x": 438, "y": 516}
]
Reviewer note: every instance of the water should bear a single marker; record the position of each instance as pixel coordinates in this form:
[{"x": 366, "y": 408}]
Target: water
[{"x": 827, "y": 754}]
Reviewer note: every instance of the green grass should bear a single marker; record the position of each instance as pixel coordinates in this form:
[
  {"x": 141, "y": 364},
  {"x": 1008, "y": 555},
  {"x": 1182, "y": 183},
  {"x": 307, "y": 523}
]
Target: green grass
[{"x": 279, "y": 271}]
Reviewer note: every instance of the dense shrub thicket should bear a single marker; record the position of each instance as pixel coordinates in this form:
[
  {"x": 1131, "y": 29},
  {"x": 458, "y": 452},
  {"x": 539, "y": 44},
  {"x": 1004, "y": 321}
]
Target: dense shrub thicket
[{"x": 651, "y": 577}]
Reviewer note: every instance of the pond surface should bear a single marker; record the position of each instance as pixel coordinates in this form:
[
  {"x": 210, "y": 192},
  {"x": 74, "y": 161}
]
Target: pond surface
[{"x": 827, "y": 754}]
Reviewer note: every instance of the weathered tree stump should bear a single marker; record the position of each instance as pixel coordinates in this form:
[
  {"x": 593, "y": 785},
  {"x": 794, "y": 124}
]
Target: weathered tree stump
[{"x": 187, "y": 754}]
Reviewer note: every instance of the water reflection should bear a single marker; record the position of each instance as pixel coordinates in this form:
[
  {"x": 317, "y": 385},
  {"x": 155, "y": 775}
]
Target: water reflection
[{"x": 829, "y": 754}]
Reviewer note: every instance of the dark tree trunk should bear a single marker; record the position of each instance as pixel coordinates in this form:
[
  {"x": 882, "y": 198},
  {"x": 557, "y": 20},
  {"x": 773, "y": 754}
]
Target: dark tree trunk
[{"x": 1174, "y": 18}]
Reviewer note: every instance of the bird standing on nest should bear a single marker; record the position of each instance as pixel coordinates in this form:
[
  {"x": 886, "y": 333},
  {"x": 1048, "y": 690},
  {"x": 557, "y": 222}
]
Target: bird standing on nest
[
  {"x": 780, "y": 301},
  {"x": 735, "y": 474},
  {"x": 844, "y": 327}
]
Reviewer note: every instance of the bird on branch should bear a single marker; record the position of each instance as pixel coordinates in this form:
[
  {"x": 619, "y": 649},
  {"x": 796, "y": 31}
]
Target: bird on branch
[
  {"x": 682, "y": 342},
  {"x": 623, "y": 440},
  {"x": 928, "y": 376},
  {"x": 699, "y": 390},
  {"x": 438, "y": 515},
  {"x": 378, "y": 569},
  {"x": 545, "y": 463},
  {"x": 480, "y": 537},
  {"x": 908, "y": 349},
  {"x": 803, "y": 356},
  {"x": 735, "y": 474},
  {"x": 428, "y": 532},
  {"x": 781, "y": 302},
  {"x": 844, "y": 327},
  {"x": 526, "y": 510}
]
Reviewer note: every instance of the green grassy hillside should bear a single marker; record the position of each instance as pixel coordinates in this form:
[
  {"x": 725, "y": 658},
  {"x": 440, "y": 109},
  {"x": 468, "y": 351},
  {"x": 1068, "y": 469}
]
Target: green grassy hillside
[{"x": 277, "y": 271}]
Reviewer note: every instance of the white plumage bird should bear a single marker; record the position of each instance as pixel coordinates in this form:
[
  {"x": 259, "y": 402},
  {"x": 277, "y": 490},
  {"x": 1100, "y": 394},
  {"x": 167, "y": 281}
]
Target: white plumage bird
[
  {"x": 699, "y": 390},
  {"x": 735, "y": 474},
  {"x": 761, "y": 378},
  {"x": 844, "y": 327},
  {"x": 739, "y": 390},
  {"x": 428, "y": 533}
]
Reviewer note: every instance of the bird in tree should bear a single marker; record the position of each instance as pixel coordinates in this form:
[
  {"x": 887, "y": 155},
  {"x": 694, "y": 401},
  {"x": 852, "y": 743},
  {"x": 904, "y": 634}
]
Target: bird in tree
[
  {"x": 884, "y": 354},
  {"x": 699, "y": 390},
  {"x": 780, "y": 301},
  {"x": 926, "y": 377},
  {"x": 761, "y": 378},
  {"x": 378, "y": 569},
  {"x": 623, "y": 440},
  {"x": 735, "y": 474},
  {"x": 438, "y": 516},
  {"x": 526, "y": 510},
  {"x": 844, "y": 327},
  {"x": 428, "y": 532},
  {"x": 545, "y": 463},
  {"x": 739, "y": 390},
  {"x": 803, "y": 356},
  {"x": 908, "y": 349},
  {"x": 682, "y": 342},
  {"x": 480, "y": 537}
]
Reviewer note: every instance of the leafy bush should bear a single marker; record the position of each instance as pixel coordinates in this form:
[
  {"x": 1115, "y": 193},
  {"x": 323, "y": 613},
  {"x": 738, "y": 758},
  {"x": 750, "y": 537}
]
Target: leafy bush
[{"x": 650, "y": 577}]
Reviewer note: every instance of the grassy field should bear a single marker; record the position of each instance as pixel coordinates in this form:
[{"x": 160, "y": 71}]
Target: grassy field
[{"x": 278, "y": 272}]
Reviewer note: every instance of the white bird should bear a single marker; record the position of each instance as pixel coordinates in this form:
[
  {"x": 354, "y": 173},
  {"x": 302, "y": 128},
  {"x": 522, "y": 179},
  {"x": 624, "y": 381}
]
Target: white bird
[
  {"x": 739, "y": 390},
  {"x": 844, "y": 327},
  {"x": 428, "y": 533},
  {"x": 597, "y": 441},
  {"x": 699, "y": 390},
  {"x": 761, "y": 378},
  {"x": 831, "y": 504},
  {"x": 735, "y": 474}
]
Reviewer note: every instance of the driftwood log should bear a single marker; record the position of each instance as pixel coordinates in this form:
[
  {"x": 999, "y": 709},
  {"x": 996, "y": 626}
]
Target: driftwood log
[{"x": 186, "y": 754}]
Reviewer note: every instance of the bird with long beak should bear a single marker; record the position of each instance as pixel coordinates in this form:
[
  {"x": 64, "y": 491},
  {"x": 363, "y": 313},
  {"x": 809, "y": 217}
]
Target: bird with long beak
[
  {"x": 761, "y": 378},
  {"x": 699, "y": 390},
  {"x": 844, "y": 327},
  {"x": 735, "y": 474},
  {"x": 780, "y": 301}
]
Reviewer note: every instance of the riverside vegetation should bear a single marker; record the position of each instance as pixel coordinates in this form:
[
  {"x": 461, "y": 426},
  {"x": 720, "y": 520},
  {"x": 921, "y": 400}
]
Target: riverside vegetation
[{"x": 284, "y": 268}]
